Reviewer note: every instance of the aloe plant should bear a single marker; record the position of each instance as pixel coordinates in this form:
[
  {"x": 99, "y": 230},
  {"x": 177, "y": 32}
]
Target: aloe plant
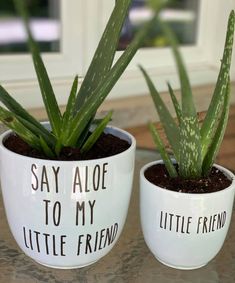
[
  {"x": 72, "y": 129},
  {"x": 194, "y": 147}
]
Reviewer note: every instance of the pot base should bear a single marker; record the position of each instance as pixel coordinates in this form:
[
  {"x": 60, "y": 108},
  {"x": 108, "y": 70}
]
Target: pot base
[
  {"x": 65, "y": 267},
  {"x": 180, "y": 267}
]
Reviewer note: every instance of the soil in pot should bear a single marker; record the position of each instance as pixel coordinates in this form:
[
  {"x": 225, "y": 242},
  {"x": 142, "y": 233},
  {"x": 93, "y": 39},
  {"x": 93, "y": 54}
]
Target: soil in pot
[
  {"x": 106, "y": 145},
  {"x": 216, "y": 181}
]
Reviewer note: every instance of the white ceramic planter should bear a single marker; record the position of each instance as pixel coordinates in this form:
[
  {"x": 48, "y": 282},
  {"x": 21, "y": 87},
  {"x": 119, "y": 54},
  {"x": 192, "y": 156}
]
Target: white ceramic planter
[
  {"x": 184, "y": 231},
  {"x": 67, "y": 214}
]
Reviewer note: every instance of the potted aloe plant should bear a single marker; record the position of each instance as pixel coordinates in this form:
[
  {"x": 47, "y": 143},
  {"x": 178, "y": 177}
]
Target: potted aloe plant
[
  {"x": 66, "y": 184},
  {"x": 186, "y": 201}
]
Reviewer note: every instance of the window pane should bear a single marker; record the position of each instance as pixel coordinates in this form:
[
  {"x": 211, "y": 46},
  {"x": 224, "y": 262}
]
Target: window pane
[
  {"x": 45, "y": 25},
  {"x": 182, "y": 16}
]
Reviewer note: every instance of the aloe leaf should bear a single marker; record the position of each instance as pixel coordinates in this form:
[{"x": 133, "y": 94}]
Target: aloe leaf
[
  {"x": 96, "y": 133},
  {"x": 177, "y": 107},
  {"x": 93, "y": 123},
  {"x": 45, "y": 148},
  {"x": 170, "y": 127},
  {"x": 47, "y": 92},
  {"x": 190, "y": 161},
  {"x": 68, "y": 114},
  {"x": 58, "y": 147},
  {"x": 85, "y": 133},
  {"x": 160, "y": 146},
  {"x": 46, "y": 135},
  {"x": 69, "y": 111},
  {"x": 18, "y": 110},
  {"x": 24, "y": 117},
  {"x": 190, "y": 164},
  {"x": 93, "y": 102},
  {"x": 11, "y": 122},
  {"x": 218, "y": 136},
  {"x": 188, "y": 107},
  {"x": 210, "y": 121},
  {"x": 105, "y": 52}
]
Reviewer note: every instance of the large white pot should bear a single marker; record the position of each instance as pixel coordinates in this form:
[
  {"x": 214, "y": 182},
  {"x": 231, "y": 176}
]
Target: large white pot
[
  {"x": 67, "y": 214},
  {"x": 184, "y": 231}
]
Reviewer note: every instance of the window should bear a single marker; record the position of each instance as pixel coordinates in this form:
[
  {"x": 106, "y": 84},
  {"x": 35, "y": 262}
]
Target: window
[
  {"x": 45, "y": 24},
  {"x": 200, "y": 26},
  {"x": 63, "y": 59}
]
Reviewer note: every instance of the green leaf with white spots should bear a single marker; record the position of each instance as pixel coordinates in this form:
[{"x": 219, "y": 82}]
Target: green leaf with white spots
[
  {"x": 190, "y": 163},
  {"x": 93, "y": 102},
  {"x": 161, "y": 148},
  {"x": 11, "y": 122},
  {"x": 218, "y": 136},
  {"x": 210, "y": 122},
  {"x": 177, "y": 107},
  {"x": 69, "y": 111},
  {"x": 170, "y": 127},
  {"x": 105, "y": 52},
  {"x": 190, "y": 158},
  {"x": 96, "y": 133}
]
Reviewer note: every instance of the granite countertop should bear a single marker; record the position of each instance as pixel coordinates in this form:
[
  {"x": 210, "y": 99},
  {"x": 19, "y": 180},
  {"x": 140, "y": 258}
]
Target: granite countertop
[{"x": 129, "y": 261}]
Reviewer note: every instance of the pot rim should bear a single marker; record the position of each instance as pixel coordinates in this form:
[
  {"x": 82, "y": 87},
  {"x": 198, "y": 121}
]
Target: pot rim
[
  {"x": 227, "y": 173},
  {"x": 128, "y": 136}
]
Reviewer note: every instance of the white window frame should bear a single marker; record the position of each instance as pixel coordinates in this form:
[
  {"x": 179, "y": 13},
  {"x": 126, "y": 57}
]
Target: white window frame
[{"x": 83, "y": 22}]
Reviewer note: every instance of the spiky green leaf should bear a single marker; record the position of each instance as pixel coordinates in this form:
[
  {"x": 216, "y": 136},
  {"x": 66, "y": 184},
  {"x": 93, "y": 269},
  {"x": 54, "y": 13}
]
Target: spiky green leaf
[
  {"x": 19, "y": 111},
  {"x": 188, "y": 107},
  {"x": 96, "y": 133},
  {"x": 190, "y": 164},
  {"x": 85, "y": 133},
  {"x": 160, "y": 146},
  {"x": 177, "y": 107},
  {"x": 93, "y": 102},
  {"x": 69, "y": 111},
  {"x": 46, "y": 135},
  {"x": 170, "y": 127},
  {"x": 11, "y": 122},
  {"x": 218, "y": 136},
  {"x": 105, "y": 52},
  {"x": 210, "y": 121},
  {"x": 46, "y": 149},
  {"x": 47, "y": 92}
]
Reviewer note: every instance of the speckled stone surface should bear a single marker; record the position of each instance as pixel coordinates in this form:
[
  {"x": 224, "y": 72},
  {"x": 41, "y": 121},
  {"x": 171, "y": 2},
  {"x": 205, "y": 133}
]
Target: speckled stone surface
[{"x": 129, "y": 261}]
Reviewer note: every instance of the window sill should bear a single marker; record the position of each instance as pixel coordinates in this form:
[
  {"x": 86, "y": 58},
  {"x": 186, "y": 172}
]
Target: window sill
[{"x": 138, "y": 110}]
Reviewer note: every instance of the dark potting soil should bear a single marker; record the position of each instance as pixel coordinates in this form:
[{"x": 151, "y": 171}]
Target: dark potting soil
[
  {"x": 216, "y": 181},
  {"x": 106, "y": 145}
]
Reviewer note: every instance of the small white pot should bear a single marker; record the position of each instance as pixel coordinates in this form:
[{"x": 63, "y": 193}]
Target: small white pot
[
  {"x": 184, "y": 231},
  {"x": 67, "y": 214}
]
